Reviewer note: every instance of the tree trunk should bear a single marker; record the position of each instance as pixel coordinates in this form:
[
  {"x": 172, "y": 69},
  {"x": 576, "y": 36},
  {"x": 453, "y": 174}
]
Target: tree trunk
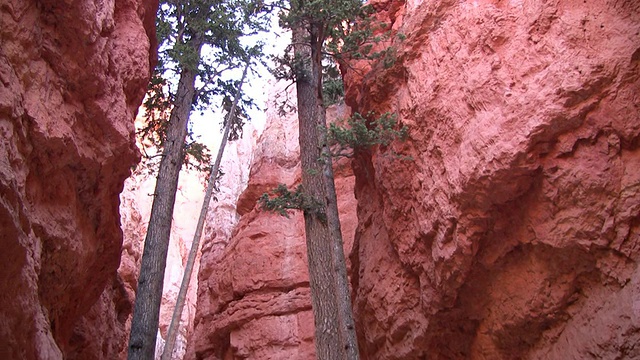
[
  {"x": 343, "y": 290},
  {"x": 146, "y": 312},
  {"x": 195, "y": 244},
  {"x": 334, "y": 331}
]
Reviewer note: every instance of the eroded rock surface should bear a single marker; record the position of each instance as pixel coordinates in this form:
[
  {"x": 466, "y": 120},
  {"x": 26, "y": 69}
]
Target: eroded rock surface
[
  {"x": 512, "y": 228},
  {"x": 72, "y": 75},
  {"x": 513, "y": 231},
  {"x": 135, "y": 212}
]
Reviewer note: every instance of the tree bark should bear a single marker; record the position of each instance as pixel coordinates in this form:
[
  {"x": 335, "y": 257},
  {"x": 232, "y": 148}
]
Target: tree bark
[
  {"x": 319, "y": 251},
  {"x": 195, "y": 244},
  {"x": 335, "y": 336},
  {"x": 146, "y": 312},
  {"x": 343, "y": 290}
]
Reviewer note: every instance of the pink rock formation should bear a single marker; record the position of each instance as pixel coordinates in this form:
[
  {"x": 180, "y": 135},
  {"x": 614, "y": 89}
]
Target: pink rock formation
[
  {"x": 72, "y": 75},
  {"x": 513, "y": 233},
  {"x": 253, "y": 296}
]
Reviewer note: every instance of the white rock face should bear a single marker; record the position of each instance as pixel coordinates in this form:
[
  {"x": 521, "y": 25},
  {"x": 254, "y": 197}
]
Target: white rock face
[{"x": 222, "y": 216}]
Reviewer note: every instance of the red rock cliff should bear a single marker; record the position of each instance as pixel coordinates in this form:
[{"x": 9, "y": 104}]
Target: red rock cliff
[
  {"x": 514, "y": 231},
  {"x": 72, "y": 75}
]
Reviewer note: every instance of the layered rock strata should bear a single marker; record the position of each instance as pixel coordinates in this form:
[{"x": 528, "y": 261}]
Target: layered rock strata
[
  {"x": 513, "y": 231},
  {"x": 72, "y": 75}
]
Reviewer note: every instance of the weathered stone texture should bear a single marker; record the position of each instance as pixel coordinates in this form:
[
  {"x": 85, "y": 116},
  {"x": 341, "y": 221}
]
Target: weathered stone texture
[
  {"x": 514, "y": 230},
  {"x": 72, "y": 75},
  {"x": 508, "y": 228}
]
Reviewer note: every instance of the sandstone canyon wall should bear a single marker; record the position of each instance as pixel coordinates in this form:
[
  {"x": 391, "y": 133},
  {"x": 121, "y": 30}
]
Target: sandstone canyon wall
[
  {"x": 72, "y": 75},
  {"x": 509, "y": 229},
  {"x": 514, "y": 231}
]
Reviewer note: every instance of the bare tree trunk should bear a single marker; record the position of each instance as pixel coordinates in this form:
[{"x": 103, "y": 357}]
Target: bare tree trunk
[
  {"x": 343, "y": 290},
  {"x": 330, "y": 295},
  {"x": 146, "y": 312},
  {"x": 195, "y": 244},
  {"x": 319, "y": 251}
]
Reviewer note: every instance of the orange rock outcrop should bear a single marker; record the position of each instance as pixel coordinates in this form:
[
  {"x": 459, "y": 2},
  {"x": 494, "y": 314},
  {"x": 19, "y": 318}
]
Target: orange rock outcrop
[{"x": 507, "y": 226}]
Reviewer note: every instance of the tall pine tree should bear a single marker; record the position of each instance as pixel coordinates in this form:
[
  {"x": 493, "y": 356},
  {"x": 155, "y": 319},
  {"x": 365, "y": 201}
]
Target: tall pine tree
[
  {"x": 167, "y": 352},
  {"x": 185, "y": 28},
  {"x": 321, "y": 27}
]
